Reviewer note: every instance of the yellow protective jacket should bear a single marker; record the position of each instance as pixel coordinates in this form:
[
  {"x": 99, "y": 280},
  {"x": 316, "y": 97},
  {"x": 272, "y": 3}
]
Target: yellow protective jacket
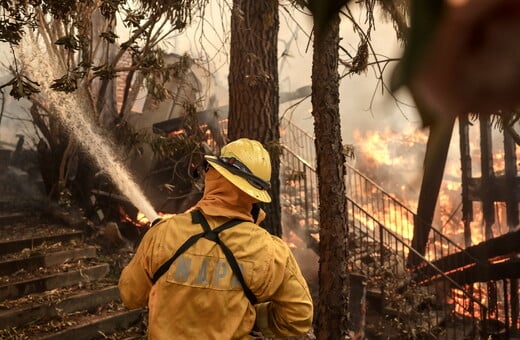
[{"x": 199, "y": 297}]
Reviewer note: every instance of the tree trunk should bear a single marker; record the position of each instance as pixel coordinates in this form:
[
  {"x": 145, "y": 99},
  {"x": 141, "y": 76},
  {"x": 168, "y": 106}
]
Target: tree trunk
[
  {"x": 332, "y": 320},
  {"x": 50, "y": 149},
  {"x": 253, "y": 87}
]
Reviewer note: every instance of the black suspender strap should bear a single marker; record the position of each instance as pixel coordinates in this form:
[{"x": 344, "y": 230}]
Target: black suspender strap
[
  {"x": 165, "y": 266},
  {"x": 208, "y": 233},
  {"x": 213, "y": 235}
]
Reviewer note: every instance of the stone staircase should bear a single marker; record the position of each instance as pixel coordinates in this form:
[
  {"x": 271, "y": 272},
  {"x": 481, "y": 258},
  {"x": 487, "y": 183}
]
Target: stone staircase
[{"x": 58, "y": 279}]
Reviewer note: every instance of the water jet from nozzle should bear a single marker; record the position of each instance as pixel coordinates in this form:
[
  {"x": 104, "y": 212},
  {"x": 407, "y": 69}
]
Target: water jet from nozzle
[{"x": 72, "y": 110}]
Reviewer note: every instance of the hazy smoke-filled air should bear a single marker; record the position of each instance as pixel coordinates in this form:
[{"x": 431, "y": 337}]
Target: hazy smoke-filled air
[{"x": 72, "y": 109}]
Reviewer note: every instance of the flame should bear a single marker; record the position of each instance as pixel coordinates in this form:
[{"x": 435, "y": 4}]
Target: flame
[
  {"x": 390, "y": 159},
  {"x": 465, "y": 306},
  {"x": 393, "y": 160},
  {"x": 140, "y": 220}
]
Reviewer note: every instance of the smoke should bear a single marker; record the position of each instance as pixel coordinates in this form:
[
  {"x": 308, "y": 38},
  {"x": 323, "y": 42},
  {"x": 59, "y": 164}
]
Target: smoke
[{"x": 73, "y": 110}]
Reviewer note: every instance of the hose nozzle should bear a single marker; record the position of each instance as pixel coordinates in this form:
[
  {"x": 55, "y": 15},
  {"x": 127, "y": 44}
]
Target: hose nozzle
[{"x": 155, "y": 221}]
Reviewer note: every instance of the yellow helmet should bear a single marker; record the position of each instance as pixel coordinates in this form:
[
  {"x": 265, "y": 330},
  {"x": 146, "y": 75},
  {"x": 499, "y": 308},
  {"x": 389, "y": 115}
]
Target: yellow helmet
[{"x": 247, "y": 164}]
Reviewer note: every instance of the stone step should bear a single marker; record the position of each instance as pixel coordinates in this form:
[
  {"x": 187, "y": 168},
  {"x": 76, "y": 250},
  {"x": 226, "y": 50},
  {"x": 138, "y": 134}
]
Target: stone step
[
  {"x": 13, "y": 246},
  {"x": 99, "y": 328},
  {"x": 54, "y": 282},
  {"x": 109, "y": 321},
  {"x": 32, "y": 207},
  {"x": 143, "y": 336},
  {"x": 51, "y": 308},
  {"x": 11, "y": 217},
  {"x": 46, "y": 260},
  {"x": 18, "y": 289},
  {"x": 137, "y": 331}
]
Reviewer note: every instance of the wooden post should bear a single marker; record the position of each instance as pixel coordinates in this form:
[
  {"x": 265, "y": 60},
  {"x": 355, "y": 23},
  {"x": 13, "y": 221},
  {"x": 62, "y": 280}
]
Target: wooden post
[
  {"x": 465, "y": 160},
  {"x": 357, "y": 306}
]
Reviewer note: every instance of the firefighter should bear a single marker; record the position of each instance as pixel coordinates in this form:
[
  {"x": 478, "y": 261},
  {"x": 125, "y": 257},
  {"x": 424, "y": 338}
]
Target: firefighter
[{"x": 213, "y": 272}]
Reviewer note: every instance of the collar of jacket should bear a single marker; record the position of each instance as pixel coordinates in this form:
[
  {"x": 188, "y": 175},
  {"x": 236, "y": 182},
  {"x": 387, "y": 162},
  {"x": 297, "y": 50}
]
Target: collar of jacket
[{"x": 221, "y": 198}]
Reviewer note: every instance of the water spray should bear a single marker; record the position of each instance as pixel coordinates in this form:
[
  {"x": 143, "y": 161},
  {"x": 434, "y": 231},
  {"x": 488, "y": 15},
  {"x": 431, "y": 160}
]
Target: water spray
[{"x": 72, "y": 109}]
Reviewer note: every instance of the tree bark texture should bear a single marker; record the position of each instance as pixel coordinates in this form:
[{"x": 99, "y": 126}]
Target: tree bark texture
[
  {"x": 332, "y": 320},
  {"x": 253, "y": 87}
]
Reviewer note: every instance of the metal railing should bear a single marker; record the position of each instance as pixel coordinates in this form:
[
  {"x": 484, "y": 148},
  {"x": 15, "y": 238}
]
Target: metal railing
[
  {"x": 452, "y": 307},
  {"x": 379, "y": 254},
  {"x": 385, "y": 208},
  {"x": 389, "y": 211},
  {"x": 300, "y": 195},
  {"x": 298, "y": 141},
  {"x": 440, "y": 309}
]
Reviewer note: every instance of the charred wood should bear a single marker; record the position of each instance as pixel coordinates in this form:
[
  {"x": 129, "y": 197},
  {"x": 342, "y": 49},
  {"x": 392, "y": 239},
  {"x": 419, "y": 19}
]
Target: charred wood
[
  {"x": 502, "y": 246},
  {"x": 500, "y": 186}
]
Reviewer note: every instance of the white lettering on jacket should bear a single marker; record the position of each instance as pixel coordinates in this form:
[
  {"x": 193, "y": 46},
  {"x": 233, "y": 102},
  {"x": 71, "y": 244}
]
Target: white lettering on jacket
[{"x": 207, "y": 272}]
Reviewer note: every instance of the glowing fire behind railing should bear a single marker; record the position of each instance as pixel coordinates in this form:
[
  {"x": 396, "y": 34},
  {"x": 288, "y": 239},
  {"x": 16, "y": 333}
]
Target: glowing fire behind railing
[
  {"x": 382, "y": 205},
  {"x": 386, "y": 207},
  {"x": 480, "y": 292},
  {"x": 398, "y": 153},
  {"x": 465, "y": 307},
  {"x": 378, "y": 253}
]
